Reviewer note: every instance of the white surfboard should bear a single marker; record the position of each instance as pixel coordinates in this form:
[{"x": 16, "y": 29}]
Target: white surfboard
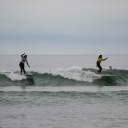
[
  {"x": 106, "y": 75},
  {"x": 28, "y": 75}
]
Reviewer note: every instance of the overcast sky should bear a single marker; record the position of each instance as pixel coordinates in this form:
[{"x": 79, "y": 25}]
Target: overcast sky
[{"x": 64, "y": 26}]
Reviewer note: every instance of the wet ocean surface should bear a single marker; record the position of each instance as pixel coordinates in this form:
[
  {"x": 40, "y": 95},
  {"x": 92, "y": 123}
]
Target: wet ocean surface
[{"x": 64, "y": 92}]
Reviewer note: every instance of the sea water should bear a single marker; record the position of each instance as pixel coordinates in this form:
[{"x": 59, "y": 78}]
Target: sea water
[{"x": 65, "y": 92}]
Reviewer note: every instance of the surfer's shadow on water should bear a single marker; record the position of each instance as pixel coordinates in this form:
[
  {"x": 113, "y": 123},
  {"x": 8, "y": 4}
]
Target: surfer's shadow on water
[{"x": 27, "y": 82}]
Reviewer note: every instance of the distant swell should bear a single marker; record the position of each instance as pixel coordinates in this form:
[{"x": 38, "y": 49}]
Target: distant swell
[{"x": 76, "y": 89}]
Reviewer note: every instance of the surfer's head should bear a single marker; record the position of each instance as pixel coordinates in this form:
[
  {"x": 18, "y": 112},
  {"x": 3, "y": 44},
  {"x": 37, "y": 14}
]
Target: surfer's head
[
  {"x": 100, "y": 56},
  {"x": 25, "y": 56},
  {"x": 110, "y": 67}
]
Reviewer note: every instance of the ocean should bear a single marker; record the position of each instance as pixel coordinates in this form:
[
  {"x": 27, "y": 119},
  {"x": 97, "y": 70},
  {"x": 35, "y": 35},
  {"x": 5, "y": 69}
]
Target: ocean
[{"x": 65, "y": 92}]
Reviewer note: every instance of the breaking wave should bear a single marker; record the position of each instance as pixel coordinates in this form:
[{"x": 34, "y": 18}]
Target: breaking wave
[{"x": 73, "y": 76}]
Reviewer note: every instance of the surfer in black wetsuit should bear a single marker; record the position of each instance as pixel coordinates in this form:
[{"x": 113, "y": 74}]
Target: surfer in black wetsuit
[
  {"x": 99, "y": 60},
  {"x": 23, "y": 60}
]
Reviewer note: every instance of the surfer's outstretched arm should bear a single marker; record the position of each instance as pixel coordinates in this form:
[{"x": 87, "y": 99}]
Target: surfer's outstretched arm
[
  {"x": 105, "y": 59},
  {"x": 27, "y": 63}
]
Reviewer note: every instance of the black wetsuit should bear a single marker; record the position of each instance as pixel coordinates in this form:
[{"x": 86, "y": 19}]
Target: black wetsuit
[
  {"x": 22, "y": 67},
  {"x": 99, "y": 66}
]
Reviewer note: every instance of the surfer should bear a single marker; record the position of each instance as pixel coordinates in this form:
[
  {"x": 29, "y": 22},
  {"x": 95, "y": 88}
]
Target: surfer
[
  {"x": 99, "y": 60},
  {"x": 110, "y": 67},
  {"x": 23, "y": 60}
]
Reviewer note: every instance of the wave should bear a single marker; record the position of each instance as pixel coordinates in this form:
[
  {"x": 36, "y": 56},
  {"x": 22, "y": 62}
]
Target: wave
[
  {"x": 73, "y": 76},
  {"x": 74, "y": 73}
]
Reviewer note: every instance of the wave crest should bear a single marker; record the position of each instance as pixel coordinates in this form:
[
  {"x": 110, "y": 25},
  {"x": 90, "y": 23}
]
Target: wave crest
[{"x": 74, "y": 73}]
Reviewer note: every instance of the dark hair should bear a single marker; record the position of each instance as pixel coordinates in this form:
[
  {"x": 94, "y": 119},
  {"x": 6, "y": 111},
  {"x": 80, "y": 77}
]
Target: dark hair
[
  {"x": 100, "y": 56},
  {"x": 25, "y": 56}
]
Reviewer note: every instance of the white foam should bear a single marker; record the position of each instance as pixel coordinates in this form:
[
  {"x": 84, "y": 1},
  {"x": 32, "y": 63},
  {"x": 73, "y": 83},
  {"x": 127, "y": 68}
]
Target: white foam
[
  {"x": 75, "y": 73},
  {"x": 11, "y": 89},
  {"x": 13, "y": 76}
]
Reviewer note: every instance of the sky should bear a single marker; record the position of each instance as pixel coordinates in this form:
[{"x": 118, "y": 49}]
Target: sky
[{"x": 64, "y": 26}]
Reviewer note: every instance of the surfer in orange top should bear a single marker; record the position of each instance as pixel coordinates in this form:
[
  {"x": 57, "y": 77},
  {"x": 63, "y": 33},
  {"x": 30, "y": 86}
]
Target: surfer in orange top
[{"x": 99, "y": 60}]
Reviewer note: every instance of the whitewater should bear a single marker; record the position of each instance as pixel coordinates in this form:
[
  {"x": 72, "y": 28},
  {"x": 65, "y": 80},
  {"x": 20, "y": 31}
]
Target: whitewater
[{"x": 64, "y": 92}]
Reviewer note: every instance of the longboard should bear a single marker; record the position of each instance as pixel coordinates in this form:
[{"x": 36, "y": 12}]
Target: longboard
[
  {"x": 28, "y": 75},
  {"x": 106, "y": 75}
]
